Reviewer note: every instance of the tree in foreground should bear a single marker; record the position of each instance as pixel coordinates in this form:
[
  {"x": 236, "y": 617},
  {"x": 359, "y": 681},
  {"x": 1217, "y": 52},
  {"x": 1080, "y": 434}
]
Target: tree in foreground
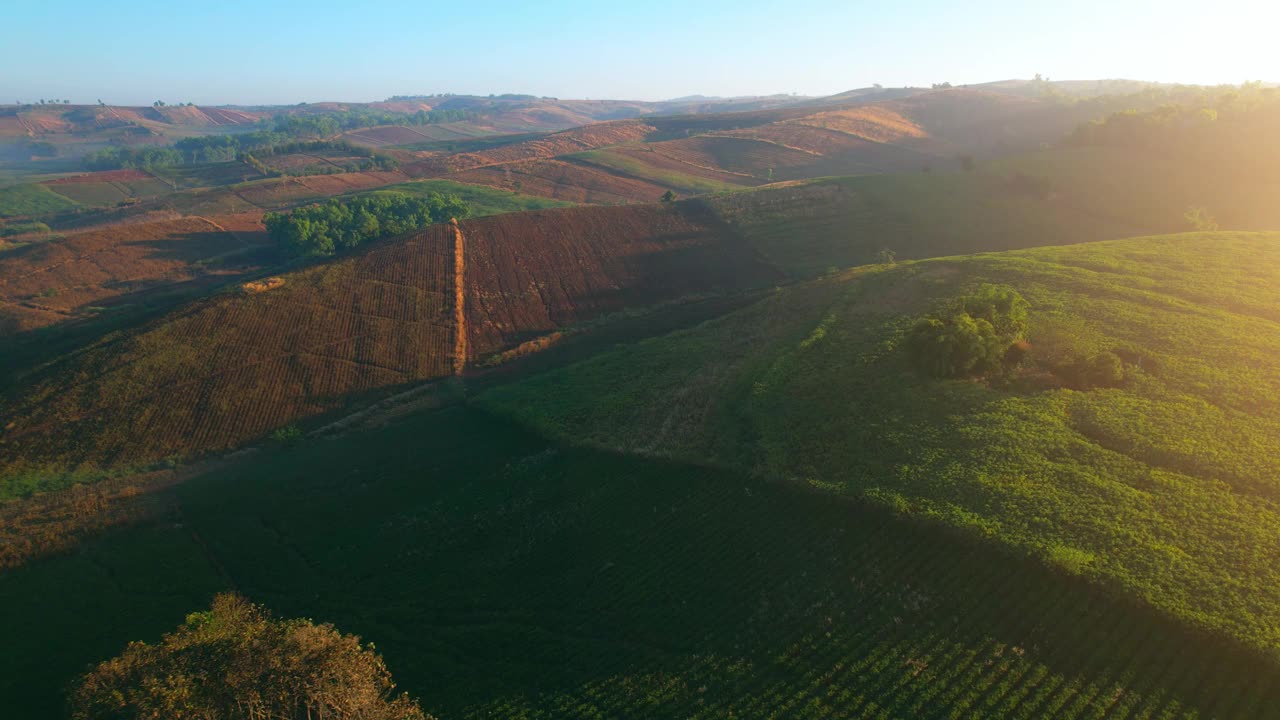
[{"x": 235, "y": 661}]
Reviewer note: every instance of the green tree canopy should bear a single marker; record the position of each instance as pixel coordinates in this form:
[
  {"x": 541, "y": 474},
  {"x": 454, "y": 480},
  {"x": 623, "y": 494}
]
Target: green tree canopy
[
  {"x": 973, "y": 336},
  {"x": 338, "y": 225}
]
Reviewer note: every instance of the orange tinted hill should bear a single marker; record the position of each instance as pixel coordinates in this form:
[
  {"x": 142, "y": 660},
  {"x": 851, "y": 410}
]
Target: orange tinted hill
[
  {"x": 562, "y": 143},
  {"x": 224, "y": 370},
  {"x": 52, "y": 281}
]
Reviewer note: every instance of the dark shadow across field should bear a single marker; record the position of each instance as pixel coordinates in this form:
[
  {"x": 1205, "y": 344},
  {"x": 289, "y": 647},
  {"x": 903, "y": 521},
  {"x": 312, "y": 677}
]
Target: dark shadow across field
[{"x": 504, "y": 576}]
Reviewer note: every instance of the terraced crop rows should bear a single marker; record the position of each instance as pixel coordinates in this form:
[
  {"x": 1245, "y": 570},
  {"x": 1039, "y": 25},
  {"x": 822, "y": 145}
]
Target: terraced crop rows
[{"x": 233, "y": 367}]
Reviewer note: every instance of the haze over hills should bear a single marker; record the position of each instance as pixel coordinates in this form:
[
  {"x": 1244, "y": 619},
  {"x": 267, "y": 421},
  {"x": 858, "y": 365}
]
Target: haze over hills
[{"x": 900, "y": 402}]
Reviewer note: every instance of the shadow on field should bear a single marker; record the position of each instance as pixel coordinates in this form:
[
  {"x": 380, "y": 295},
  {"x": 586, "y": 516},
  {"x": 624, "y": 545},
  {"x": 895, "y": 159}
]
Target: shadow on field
[{"x": 504, "y": 576}]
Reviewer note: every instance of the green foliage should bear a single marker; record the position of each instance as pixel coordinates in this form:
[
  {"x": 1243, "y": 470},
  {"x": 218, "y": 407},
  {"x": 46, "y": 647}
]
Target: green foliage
[
  {"x": 956, "y": 346},
  {"x": 236, "y": 661},
  {"x": 23, "y": 228},
  {"x": 1200, "y": 220},
  {"x": 32, "y": 200},
  {"x": 1231, "y": 121},
  {"x": 339, "y": 225},
  {"x": 1003, "y": 307},
  {"x": 973, "y": 337},
  {"x": 1154, "y": 465},
  {"x": 604, "y": 585},
  {"x": 668, "y": 196},
  {"x": 287, "y": 435},
  {"x": 144, "y": 158}
]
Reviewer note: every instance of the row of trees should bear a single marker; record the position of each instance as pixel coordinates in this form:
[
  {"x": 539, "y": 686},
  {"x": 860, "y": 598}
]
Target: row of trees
[
  {"x": 229, "y": 148},
  {"x": 273, "y": 134},
  {"x": 143, "y": 158},
  {"x": 1212, "y": 114},
  {"x": 335, "y": 226},
  {"x": 322, "y": 125}
]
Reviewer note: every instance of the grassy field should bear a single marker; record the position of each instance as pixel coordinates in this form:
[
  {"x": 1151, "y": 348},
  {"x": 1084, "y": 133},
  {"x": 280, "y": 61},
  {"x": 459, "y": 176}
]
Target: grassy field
[
  {"x": 470, "y": 144},
  {"x": 483, "y": 200},
  {"x": 31, "y": 200},
  {"x": 505, "y": 576},
  {"x": 1163, "y": 488},
  {"x": 628, "y": 165}
]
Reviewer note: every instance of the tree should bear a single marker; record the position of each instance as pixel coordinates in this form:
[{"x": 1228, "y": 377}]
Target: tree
[
  {"x": 235, "y": 661},
  {"x": 668, "y": 196},
  {"x": 972, "y": 336},
  {"x": 956, "y": 346},
  {"x": 886, "y": 257},
  {"x": 1200, "y": 219}
]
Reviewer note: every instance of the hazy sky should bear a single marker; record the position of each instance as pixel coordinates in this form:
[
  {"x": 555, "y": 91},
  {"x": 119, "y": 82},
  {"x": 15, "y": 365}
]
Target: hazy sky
[{"x": 230, "y": 51}]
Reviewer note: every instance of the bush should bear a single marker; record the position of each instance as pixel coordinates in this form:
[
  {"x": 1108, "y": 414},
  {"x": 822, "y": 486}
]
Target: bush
[
  {"x": 975, "y": 336},
  {"x": 956, "y": 346},
  {"x": 1102, "y": 370},
  {"x": 236, "y": 661}
]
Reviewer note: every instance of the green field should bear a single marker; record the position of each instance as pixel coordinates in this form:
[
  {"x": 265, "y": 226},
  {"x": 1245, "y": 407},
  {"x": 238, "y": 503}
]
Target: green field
[
  {"x": 460, "y": 145},
  {"x": 1163, "y": 488},
  {"x": 32, "y": 200},
  {"x": 632, "y": 167},
  {"x": 482, "y": 199},
  {"x": 505, "y": 576}
]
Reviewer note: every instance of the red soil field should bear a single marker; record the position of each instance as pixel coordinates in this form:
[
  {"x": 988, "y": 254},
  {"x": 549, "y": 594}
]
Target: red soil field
[
  {"x": 665, "y": 156},
  {"x": 339, "y": 183},
  {"x": 531, "y": 273},
  {"x": 227, "y": 369},
  {"x": 879, "y": 124},
  {"x": 223, "y": 116},
  {"x": 60, "y": 277},
  {"x": 563, "y": 181},
  {"x": 231, "y": 367},
  {"x": 562, "y": 143}
]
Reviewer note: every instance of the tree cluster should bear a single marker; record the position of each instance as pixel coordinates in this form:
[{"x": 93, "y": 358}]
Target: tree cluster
[
  {"x": 335, "y": 226},
  {"x": 973, "y": 336},
  {"x": 235, "y": 661},
  {"x": 144, "y": 158},
  {"x": 1209, "y": 115}
]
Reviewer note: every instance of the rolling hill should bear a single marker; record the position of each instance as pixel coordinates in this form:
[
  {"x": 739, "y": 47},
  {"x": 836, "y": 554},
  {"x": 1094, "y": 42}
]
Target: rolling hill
[
  {"x": 549, "y": 272},
  {"x": 218, "y": 372},
  {"x": 1161, "y": 487}
]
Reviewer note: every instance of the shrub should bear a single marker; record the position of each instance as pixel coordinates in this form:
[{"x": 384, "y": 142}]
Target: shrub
[
  {"x": 956, "y": 346},
  {"x": 236, "y": 661},
  {"x": 973, "y": 337},
  {"x": 1101, "y": 370}
]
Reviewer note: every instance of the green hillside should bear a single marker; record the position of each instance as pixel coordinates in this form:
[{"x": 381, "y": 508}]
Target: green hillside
[
  {"x": 1054, "y": 197},
  {"x": 505, "y": 576},
  {"x": 1163, "y": 486}
]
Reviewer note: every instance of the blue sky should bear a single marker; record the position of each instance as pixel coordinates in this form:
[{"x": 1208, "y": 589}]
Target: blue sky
[{"x": 230, "y": 51}]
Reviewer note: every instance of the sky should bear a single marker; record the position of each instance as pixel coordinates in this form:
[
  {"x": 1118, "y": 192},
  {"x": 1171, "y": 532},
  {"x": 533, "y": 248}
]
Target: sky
[{"x": 235, "y": 52}]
